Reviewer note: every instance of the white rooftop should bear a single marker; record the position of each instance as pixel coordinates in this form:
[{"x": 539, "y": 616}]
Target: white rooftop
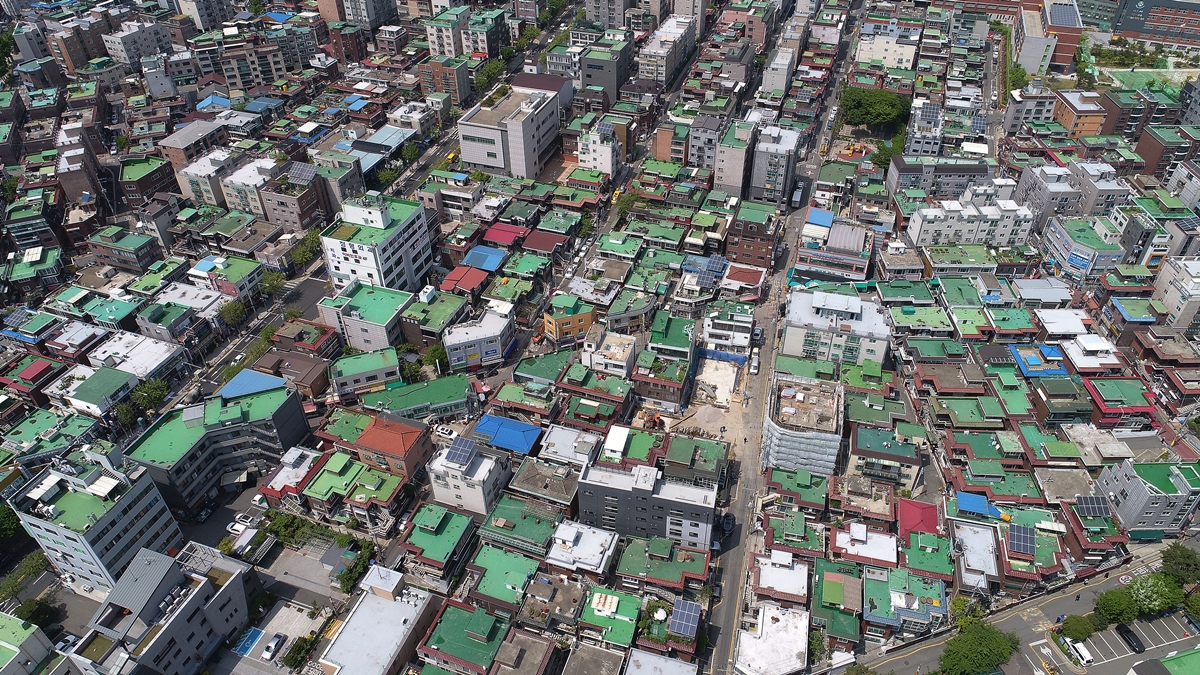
[
  {"x": 569, "y": 445},
  {"x": 865, "y": 543},
  {"x": 778, "y": 647},
  {"x": 781, "y": 572},
  {"x": 577, "y": 546},
  {"x": 649, "y": 663},
  {"x": 803, "y": 310},
  {"x": 491, "y": 324},
  {"x": 360, "y": 647},
  {"x": 1047, "y": 290},
  {"x": 978, "y": 546},
  {"x": 255, "y": 174},
  {"x": 293, "y": 467},
  {"x": 204, "y": 301},
  {"x": 134, "y": 353},
  {"x": 1062, "y": 321}
]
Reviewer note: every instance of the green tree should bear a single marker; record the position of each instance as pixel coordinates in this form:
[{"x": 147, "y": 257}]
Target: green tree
[
  {"x": 1077, "y": 627},
  {"x": 1117, "y": 606},
  {"x": 455, "y": 112},
  {"x": 411, "y": 372},
  {"x": 407, "y": 348},
  {"x": 267, "y": 333},
  {"x": 816, "y": 647},
  {"x": 410, "y": 152},
  {"x": 883, "y": 156},
  {"x": 36, "y": 611},
  {"x": 964, "y": 612},
  {"x": 556, "y": 6},
  {"x": 272, "y": 282},
  {"x": 1155, "y": 593},
  {"x": 1193, "y": 604},
  {"x": 126, "y": 415},
  {"x": 225, "y": 546},
  {"x": 978, "y": 648},
  {"x": 544, "y": 17},
  {"x": 257, "y": 7},
  {"x": 507, "y": 54},
  {"x": 229, "y": 372},
  {"x": 10, "y": 524},
  {"x": 436, "y": 355},
  {"x": 293, "y": 313},
  {"x": 9, "y": 188},
  {"x": 387, "y": 177},
  {"x": 7, "y": 46},
  {"x": 1181, "y": 564},
  {"x": 487, "y": 74},
  {"x": 860, "y": 669},
  {"x": 624, "y": 203},
  {"x": 232, "y": 312},
  {"x": 349, "y": 350},
  {"x": 122, "y": 142},
  {"x": 874, "y": 108},
  {"x": 150, "y": 394},
  {"x": 581, "y": 15},
  {"x": 1017, "y": 77},
  {"x": 480, "y": 176}
]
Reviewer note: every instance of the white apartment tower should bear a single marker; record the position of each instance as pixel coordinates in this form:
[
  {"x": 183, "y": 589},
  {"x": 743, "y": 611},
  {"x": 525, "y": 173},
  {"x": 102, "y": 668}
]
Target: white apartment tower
[{"x": 381, "y": 241}]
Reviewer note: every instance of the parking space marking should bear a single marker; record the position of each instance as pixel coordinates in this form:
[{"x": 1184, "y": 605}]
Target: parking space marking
[
  {"x": 1142, "y": 634},
  {"x": 1121, "y": 657},
  {"x": 1108, "y": 644},
  {"x": 1155, "y": 629}
]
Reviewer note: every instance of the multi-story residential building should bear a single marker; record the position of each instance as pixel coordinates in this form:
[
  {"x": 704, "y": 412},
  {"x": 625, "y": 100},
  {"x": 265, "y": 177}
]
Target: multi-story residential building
[
  {"x": 231, "y": 276},
  {"x": 1080, "y": 112},
  {"x": 1048, "y": 191},
  {"x": 391, "y": 39},
  {"x": 80, "y": 39},
  {"x": 667, "y": 49},
  {"x": 734, "y": 151},
  {"x": 526, "y": 10},
  {"x": 445, "y": 31},
  {"x": 136, "y": 41},
  {"x": 379, "y": 240},
  {"x": 91, "y": 519},
  {"x": 143, "y": 176},
  {"x": 447, "y": 75},
  {"x": 349, "y": 42},
  {"x": 473, "y": 481},
  {"x": 241, "y": 186},
  {"x": 985, "y": 214},
  {"x": 639, "y": 502},
  {"x": 30, "y": 41},
  {"x": 187, "y": 451},
  {"x": 1130, "y": 111},
  {"x": 368, "y": 317},
  {"x": 253, "y": 65},
  {"x": 605, "y": 63},
  {"x": 200, "y": 180},
  {"x": 939, "y": 177},
  {"x": 124, "y": 250},
  {"x": 295, "y": 200},
  {"x": 610, "y": 14},
  {"x": 886, "y": 51},
  {"x": 1100, "y": 190},
  {"x": 208, "y": 14},
  {"x": 727, "y": 326},
  {"x": 486, "y": 33},
  {"x": 1166, "y": 147},
  {"x": 925, "y": 129},
  {"x": 516, "y": 135},
  {"x": 371, "y": 14},
  {"x": 192, "y": 141},
  {"x": 832, "y": 327},
  {"x": 1177, "y": 287},
  {"x": 773, "y": 171},
  {"x": 383, "y": 441},
  {"x": 172, "y": 615},
  {"x": 1083, "y": 247},
  {"x": 703, "y": 135},
  {"x": 1034, "y": 103},
  {"x": 1151, "y": 500},
  {"x": 754, "y": 236},
  {"x": 1045, "y": 36},
  {"x": 482, "y": 342}
]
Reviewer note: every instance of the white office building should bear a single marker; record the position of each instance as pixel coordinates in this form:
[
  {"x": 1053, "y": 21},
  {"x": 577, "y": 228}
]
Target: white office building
[
  {"x": 381, "y": 241},
  {"x": 831, "y": 327},
  {"x": 484, "y": 341},
  {"x": 517, "y": 135}
]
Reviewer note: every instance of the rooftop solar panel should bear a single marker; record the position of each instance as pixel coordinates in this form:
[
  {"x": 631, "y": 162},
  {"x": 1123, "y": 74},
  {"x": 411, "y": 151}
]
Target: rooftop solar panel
[
  {"x": 1093, "y": 507},
  {"x": 302, "y": 173},
  {"x": 1022, "y": 539},
  {"x": 685, "y": 618},
  {"x": 715, "y": 263},
  {"x": 706, "y": 279},
  {"x": 460, "y": 451}
]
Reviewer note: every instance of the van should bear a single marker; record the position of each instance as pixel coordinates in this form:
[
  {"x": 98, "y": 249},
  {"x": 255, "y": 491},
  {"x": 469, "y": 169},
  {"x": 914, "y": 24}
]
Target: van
[
  {"x": 754, "y": 361},
  {"x": 1085, "y": 657}
]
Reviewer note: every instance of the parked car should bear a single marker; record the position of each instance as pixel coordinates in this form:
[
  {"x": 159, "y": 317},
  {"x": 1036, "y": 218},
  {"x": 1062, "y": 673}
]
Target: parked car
[
  {"x": 66, "y": 644},
  {"x": 246, "y": 519},
  {"x": 757, "y": 334},
  {"x": 273, "y": 646},
  {"x": 236, "y": 529},
  {"x": 203, "y": 515},
  {"x": 445, "y": 432},
  {"x": 259, "y": 500},
  {"x": 1131, "y": 638}
]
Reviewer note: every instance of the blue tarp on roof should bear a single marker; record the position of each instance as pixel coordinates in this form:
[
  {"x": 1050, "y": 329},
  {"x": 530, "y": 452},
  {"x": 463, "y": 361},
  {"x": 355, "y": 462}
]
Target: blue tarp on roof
[
  {"x": 972, "y": 503},
  {"x": 261, "y": 105},
  {"x": 359, "y": 105},
  {"x": 250, "y": 382},
  {"x": 507, "y": 434},
  {"x": 280, "y": 17},
  {"x": 213, "y": 100},
  {"x": 485, "y": 258},
  {"x": 820, "y": 217}
]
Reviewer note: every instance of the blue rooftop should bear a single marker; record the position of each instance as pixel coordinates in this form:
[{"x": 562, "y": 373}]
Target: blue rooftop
[
  {"x": 250, "y": 382},
  {"x": 1046, "y": 362},
  {"x": 213, "y": 101},
  {"x": 389, "y": 136},
  {"x": 507, "y": 434},
  {"x": 280, "y": 17},
  {"x": 263, "y": 104},
  {"x": 1135, "y": 318},
  {"x": 978, "y": 504},
  {"x": 485, "y": 258},
  {"x": 820, "y": 217}
]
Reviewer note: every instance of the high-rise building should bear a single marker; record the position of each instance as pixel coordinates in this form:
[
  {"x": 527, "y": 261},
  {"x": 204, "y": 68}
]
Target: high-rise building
[
  {"x": 611, "y": 13},
  {"x": 774, "y": 165},
  {"x": 208, "y": 14},
  {"x": 371, "y": 14},
  {"x": 734, "y": 151}
]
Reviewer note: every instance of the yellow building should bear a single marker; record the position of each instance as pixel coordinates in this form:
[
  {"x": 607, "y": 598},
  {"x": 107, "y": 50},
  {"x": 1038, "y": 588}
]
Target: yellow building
[{"x": 568, "y": 319}]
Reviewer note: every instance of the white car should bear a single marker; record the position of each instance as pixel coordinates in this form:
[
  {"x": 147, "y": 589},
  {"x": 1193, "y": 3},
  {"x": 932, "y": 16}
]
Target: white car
[
  {"x": 259, "y": 500},
  {"x": 445, "y": 432},
  {"x": 236, "y": 529},
  {"x": 66, "y": 644},
  {"x": 246, "y": 519},
  {"x": 273, "y": 646}
]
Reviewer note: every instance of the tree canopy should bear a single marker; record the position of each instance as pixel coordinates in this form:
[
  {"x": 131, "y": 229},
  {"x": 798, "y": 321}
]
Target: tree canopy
[
  {"x": 1155, "y": 593},
  {"x": 1017, "y": 77},
  {"x": 272, "y": 282},
  {"x": 410, "y": 152},
  {"x": 978, "y": 648},
  {"x": 1181, "y": 564},
  {"x": 1117, "y": 606},
  {"x": 10, "y": 524},
  {"x": 150, "y": 394},
  {"x": 1078, "y": 627},
  {"x": 232, "y": 312},
  {"x": 488, "y": 73},
  {"x": 874, "y": 108}
]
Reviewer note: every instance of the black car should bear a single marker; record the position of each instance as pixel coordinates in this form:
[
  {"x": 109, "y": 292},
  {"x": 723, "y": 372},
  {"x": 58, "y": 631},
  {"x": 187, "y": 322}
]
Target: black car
[{"x": 1131, "y": 638}]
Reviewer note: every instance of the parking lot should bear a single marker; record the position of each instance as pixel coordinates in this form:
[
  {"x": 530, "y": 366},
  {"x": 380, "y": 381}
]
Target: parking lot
[
  {"x": 1160, "y": 636},
  {"x": 284, "y": 617}
]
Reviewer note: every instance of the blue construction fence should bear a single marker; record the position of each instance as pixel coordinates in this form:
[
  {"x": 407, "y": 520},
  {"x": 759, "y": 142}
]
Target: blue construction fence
[{"x": 728, "y": 357}]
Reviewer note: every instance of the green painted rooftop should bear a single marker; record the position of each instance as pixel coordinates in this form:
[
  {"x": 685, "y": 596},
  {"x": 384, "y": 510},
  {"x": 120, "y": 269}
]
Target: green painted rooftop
[
  {"x": 374, "y": 304},
  {"x": 366, "y": 362},
  {"x": 471, "y": 635},
  {"x": 505, "y": 574},
  {"x": 659, "y": 559},
  {"x": 617, "y": 626},
  {"x": 422, "y": 396},
  {"x": 437, "y": 531}
]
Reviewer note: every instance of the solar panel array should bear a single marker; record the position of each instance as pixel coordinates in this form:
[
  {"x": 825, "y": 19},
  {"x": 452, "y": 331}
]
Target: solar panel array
[
  {"x": 19, "y": 316},
  {"x": 1064, "y": 15},
  {"x": 706, "y": 279},
  {"x": 606, "y": 128},
  {"x": 979, "y": 124},
  {"x": 715, "y": 263},
  {"x": 685, "y": 618},
  {"x": 930, "y": 113},
  {"x": 1093, "y": 507},
  {"x": 1021, "y": 539},
  {"x": 302, "y": 173},
  {"x": 460, "y": 451}
]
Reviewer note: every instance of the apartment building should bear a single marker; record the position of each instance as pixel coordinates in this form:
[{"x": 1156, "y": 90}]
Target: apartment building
[
  {"x": 486, "y": 33},
  {"x": 371, "y": 14},
  {"x": 472, "y": 481},
  {"x": 1080, "y": 112},
  {"x": 368, "y": 317},
  {"x": 1034, "y": 103},
  {"x": 200, "y": 180},
  {"x": 640, "y": 503},
  {"x": 667, "y": 49},
  {"x": 1151, "y": 500},
  {"x": 1130, "y": 111},
  {"x": 734, "y": 152},
  {"x": 609, "y": 13},
  {"x": 1165, "y": 147},
  {"x": 445, "y": 31},
  {"x": 482, "y": 342},
  {"x": 985, "y": 214},
  {"x": 703, "y": 136},
  {"x": 91, "y": 518},
  {"x": 606, "y": 62},
  {"x": 773, "y": 170},
  {"x": 143, "y": 176},
  {"x": 192, "y": 141},
  {"x": 242, "y": 185},
  {"x": 188, "y": 451},
  {"x": 379, "y": 240},
  {"x": 939, "y": 177},
  {"x": 447, "y": 75},
  {"x": 253, "y": 65},
  {"x": 516, "y": 135},
  {"x": 208, "y": 14},
  {"x": 136, "y": 41},
  {"x": 1177, "y": 287}
]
